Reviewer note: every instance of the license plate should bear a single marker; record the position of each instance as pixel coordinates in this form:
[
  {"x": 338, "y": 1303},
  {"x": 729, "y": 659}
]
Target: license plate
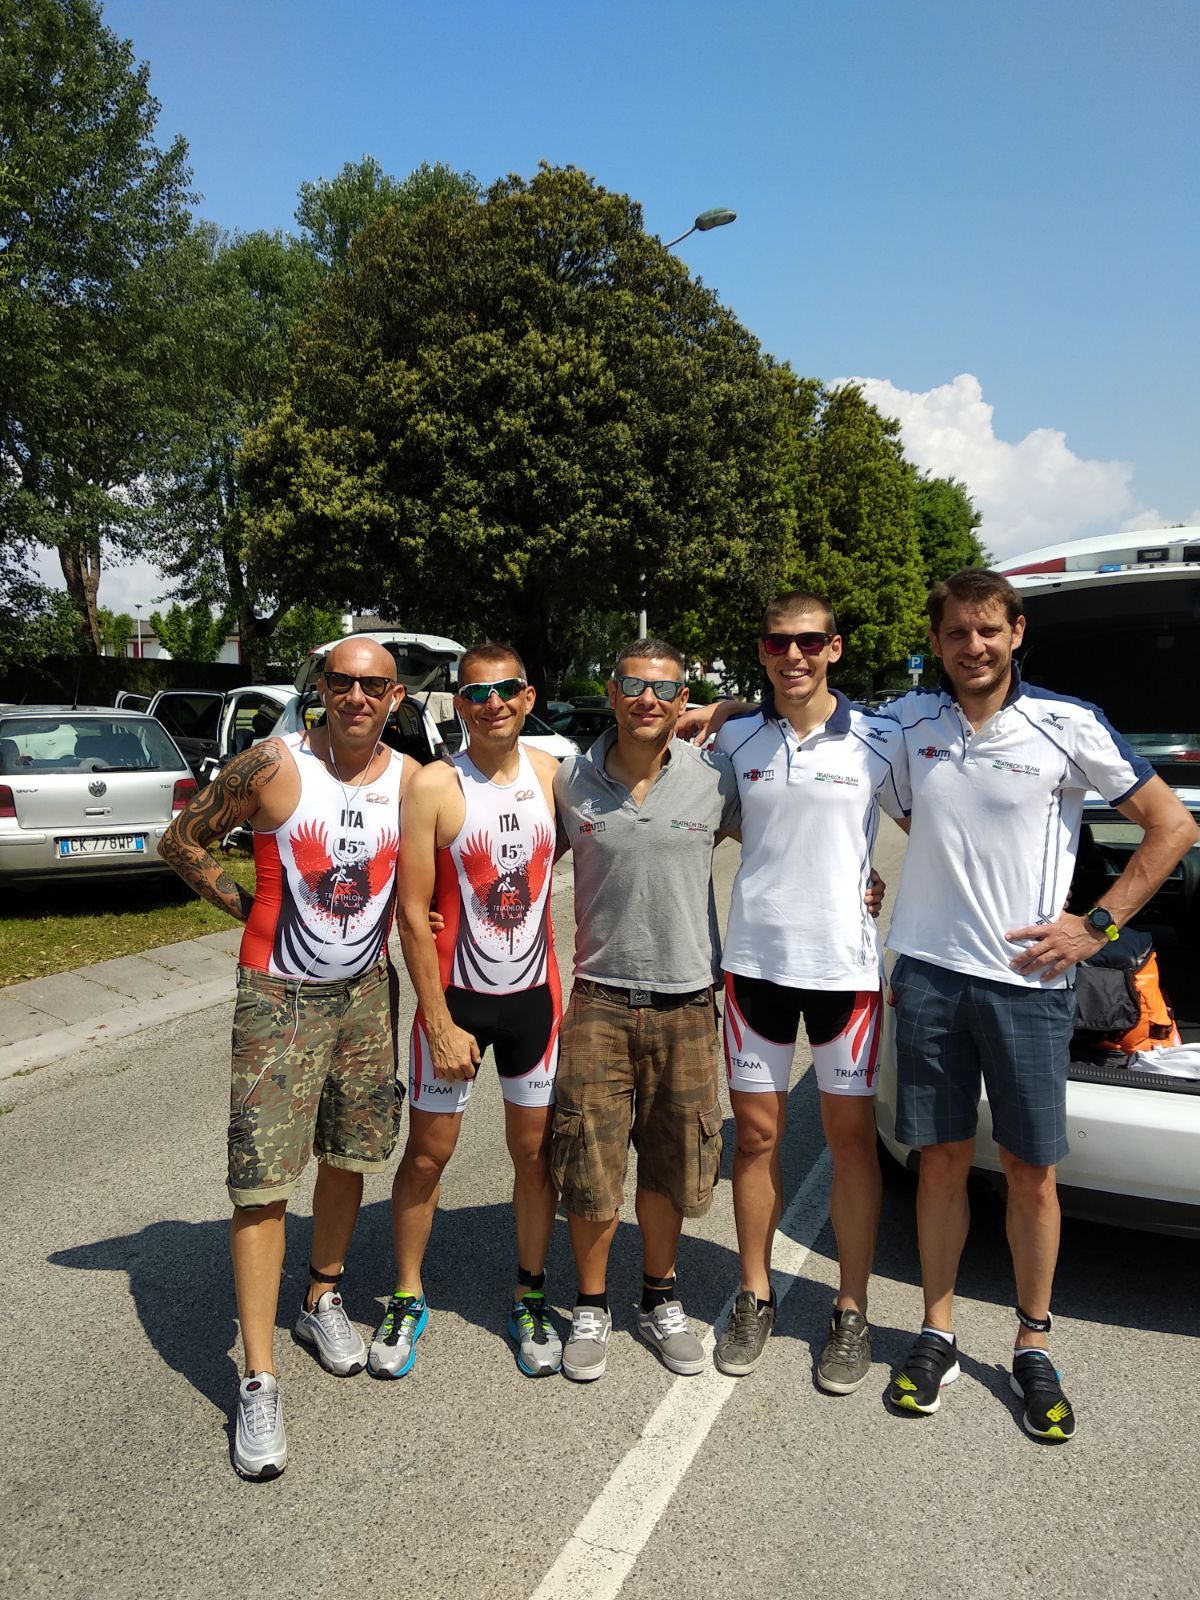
[{"x": 104, "y": 844}]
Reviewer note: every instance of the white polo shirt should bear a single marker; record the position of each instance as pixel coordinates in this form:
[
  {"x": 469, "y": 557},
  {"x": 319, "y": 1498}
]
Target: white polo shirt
[
  {"x": 810, "y": 812},
  {"x": 995, "y": 820}
]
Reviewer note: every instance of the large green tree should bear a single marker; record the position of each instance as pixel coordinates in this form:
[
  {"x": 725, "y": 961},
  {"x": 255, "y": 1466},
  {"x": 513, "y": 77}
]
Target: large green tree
[
  {"x": 92, "y": 213},
  {"x": 506, "y": 412},
  {"x": 250, "y": 291},
  {"x": 254, "y": 289}
]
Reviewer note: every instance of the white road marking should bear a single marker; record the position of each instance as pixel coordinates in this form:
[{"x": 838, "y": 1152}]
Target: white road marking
[{"x": 599, "y": 1555}]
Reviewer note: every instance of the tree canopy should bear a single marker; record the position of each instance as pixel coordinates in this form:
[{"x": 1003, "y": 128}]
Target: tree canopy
[
  {"x": 333, "y": 211},
  {"x": 190, "y": 633},
  {"x": 91, "y": 215},
  {"x": 506, "y": 411}
]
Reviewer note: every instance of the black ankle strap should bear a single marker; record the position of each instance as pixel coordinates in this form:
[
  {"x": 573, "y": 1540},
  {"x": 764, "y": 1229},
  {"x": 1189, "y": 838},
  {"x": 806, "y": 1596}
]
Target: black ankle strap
[
  {"x": 1035, "y": 1324},
  {"x": 323, "y": 1277}
]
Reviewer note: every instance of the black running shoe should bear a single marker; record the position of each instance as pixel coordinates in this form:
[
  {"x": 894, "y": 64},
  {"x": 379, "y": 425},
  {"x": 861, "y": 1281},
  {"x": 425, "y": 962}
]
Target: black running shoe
[
  {"x": 1048, "y": 1413},
  {"x": 932, "y": 1364}
]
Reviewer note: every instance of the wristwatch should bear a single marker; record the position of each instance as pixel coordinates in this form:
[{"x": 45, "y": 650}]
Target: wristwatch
[{"x": 1101, "y": 919}]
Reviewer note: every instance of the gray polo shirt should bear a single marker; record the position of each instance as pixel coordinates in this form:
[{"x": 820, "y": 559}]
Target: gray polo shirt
[{"x": 644, "y": 908}]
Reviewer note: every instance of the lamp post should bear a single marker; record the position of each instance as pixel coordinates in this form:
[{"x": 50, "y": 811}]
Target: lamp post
[
  {"x": 137, "y": 649},
  {"x": 718, "y": 217}
]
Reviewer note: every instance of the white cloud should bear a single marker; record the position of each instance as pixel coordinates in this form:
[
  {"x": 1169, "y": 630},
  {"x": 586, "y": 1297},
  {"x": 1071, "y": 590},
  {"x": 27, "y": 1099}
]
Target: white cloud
[{"x": 1034, "y": 492}]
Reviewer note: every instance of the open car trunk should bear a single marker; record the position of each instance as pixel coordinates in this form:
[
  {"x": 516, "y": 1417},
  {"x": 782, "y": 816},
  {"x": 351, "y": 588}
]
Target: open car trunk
[{"x": 1130, "y": 642}]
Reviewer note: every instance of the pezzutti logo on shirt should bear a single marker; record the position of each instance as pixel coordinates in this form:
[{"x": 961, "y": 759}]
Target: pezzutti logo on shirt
[
  {"x": 759, "y": 775},
  {"x": 933, "y": 752}
]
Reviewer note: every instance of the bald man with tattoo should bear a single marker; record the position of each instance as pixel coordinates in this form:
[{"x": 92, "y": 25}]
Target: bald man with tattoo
[{"x": 314, "y": 1053}]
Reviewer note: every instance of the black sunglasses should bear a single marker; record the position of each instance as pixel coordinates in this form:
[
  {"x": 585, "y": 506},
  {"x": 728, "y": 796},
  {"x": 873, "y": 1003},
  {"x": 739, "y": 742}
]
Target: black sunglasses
[
  {"x": 373, "y": 687},
  {"x": 808, "y": 644},
  {"x": 480, "y": 693},
  {"x": 664, "y": 688}
]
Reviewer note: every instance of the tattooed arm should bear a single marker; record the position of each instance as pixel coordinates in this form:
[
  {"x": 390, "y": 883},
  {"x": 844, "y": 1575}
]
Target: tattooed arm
[{"x": 232, "y": 798}]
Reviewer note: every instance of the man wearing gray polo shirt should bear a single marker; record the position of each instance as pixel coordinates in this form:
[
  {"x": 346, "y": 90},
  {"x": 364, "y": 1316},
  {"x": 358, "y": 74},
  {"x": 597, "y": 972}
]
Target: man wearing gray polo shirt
[{"x": 642, "y": 814}]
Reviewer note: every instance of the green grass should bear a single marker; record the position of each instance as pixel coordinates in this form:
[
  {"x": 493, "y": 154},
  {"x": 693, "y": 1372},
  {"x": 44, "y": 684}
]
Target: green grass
[{"x": 74, "y": 925}]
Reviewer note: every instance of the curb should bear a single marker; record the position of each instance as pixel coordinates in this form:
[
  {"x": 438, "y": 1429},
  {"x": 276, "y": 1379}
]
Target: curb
[{"x": 29, "y": 1055}]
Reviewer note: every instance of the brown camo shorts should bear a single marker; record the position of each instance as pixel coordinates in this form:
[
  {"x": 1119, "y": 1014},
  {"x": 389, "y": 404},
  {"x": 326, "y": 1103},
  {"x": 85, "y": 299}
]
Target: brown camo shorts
[
  {"x": 647, "y": 1074},
  {"x": 314, "y": 1068}
]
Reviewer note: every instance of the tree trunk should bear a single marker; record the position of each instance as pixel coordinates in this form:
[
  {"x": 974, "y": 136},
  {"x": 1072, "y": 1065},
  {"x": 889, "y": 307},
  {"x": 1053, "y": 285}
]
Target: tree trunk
[
  {"x": 532, "y": 639},
  {"x": 80, "y": 562}
]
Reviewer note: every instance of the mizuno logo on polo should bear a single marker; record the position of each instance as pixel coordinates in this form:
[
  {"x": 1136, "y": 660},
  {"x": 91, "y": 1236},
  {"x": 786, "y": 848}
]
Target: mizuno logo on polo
[
  {"x": 1016, "y": 766},
  {"x": 876, "y": 733},
  {"x": 1053, "y": 719},
  {"x": 757, "y": 775},
  {"x": 932, "y": 753}
]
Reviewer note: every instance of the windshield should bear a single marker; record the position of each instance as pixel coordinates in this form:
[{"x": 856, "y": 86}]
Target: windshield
[{"x": 85, "y": 744}]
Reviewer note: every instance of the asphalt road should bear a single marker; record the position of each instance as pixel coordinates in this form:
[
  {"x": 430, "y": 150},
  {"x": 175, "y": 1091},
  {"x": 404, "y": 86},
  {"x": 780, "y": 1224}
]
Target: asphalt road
[{"x": 466, "y": 1479}]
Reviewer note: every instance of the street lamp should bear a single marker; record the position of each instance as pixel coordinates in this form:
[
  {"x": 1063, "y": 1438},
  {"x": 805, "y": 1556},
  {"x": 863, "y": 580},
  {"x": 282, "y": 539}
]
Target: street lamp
[
  {"x": 716, "y": 218},
  {"x": 137, "y": 649}
]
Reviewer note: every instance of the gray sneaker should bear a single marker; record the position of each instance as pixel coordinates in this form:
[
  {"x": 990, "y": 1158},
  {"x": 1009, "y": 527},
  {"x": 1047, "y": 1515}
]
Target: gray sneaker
[
  {"x": 846, "y": 1360},
  {"x": 338, "y": 1346},
  {"x": 585, "y": 1354},
  {"x": 259, "y": 1442},
  {"x": 666, "y": 1330},
  {"x": 741, "y": 1345}
]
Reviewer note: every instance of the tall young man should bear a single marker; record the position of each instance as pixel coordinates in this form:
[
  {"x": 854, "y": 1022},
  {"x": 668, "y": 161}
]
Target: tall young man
[
  {"x": 643, "y": 814},
  {"x": 811, "y": 771},
  {"x": 314, "y": 1030},
  {"x": 479, "y": 836},
  {"x": 997, "y": 773}
]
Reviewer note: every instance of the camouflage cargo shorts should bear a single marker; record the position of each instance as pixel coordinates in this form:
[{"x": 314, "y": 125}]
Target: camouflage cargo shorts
[
  {"x": 314, "y": 1068},
  {"x": 643, "y": 1073}
]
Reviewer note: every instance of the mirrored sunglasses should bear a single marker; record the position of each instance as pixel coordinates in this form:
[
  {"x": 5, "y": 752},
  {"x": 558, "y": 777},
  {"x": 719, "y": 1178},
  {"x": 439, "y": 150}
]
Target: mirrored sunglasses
[
  {"x": 374, "y": 688},
  {"x": 478, "y": 694},
  {"x": 808, "y": 644},
  {"x": 664, "y": 688}
]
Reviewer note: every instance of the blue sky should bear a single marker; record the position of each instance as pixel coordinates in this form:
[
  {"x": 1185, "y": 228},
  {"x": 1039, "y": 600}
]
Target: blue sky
[{"x": 988, "y": 210}]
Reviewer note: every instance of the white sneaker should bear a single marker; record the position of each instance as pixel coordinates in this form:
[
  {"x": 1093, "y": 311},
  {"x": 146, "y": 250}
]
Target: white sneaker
[
  {"x": 259, "y": 1443},
  {"x": 327, "y": 1328}
]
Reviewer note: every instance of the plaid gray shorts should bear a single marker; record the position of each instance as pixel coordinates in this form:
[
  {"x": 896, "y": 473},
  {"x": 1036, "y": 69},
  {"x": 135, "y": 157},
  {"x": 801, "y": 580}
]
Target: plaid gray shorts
[{"x": 954, "y": 1029}]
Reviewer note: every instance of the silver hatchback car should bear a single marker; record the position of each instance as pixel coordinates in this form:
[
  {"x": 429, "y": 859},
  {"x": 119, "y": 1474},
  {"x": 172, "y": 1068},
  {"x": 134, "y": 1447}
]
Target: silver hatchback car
[{"x": 85, "y": 793}]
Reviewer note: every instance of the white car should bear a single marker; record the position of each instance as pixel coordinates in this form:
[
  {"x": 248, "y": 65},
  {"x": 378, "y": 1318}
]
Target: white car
[
  {"x": 85, "y": 793},
  {"x": 210, "y": 725},
  {"x": 1116, "y": 621}
]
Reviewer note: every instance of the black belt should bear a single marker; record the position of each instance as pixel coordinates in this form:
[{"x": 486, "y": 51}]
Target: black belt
[{"x": 642, "y": 999}]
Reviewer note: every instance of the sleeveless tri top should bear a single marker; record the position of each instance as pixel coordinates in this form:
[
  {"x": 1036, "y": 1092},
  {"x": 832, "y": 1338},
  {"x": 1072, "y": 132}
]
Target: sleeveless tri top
[
  {"x": 493, "y": 884},
  {"x": 326, "y": 878}
]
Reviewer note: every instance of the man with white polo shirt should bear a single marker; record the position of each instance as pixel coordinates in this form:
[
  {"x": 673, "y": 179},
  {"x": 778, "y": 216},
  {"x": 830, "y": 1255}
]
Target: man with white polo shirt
[
  {"x": 997, "y": 771},
  {"x": 812, "y": 772}
]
